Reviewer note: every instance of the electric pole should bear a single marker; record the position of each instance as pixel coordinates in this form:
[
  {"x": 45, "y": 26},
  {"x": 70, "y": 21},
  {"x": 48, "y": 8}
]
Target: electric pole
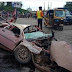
[
  {"x": 44, "y": 6},
  {"x": 51, "y": 5},
  {"x": 48, "y": 5}
]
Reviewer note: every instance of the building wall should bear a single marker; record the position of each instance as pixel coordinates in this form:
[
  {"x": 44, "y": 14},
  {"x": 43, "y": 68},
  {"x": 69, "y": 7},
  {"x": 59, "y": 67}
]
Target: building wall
[
  {"x": 33, "y": 12},
  {"x": 29, "y": 9},
  {"x": 16, "y": 4}
]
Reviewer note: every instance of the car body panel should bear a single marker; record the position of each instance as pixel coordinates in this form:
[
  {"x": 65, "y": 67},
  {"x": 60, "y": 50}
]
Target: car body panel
[
  {"x": 61, "y": 53},
  {"x": 8, "y": 38},
  {"x": 31, "y": 46}
]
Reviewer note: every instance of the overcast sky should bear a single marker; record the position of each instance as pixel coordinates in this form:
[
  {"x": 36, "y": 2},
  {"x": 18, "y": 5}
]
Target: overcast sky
[{"x": 34, "y": 4}]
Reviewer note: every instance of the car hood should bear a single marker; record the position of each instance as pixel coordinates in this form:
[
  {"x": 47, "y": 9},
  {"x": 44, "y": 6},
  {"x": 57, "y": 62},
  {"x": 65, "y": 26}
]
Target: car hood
[
  {"x": 61, "y": 53},
  {"x": 21, "y": 26},
  {"x": 68, "y": 15}
]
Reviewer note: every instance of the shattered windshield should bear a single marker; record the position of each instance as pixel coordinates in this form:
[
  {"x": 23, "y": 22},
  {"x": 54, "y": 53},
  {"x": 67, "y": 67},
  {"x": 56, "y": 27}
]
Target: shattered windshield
[{"x": 60, "y": 13}]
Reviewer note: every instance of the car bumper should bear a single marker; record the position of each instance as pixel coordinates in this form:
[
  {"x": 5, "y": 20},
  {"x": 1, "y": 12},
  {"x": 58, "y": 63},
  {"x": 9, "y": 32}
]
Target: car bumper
[{"x": 67, "y": 21}]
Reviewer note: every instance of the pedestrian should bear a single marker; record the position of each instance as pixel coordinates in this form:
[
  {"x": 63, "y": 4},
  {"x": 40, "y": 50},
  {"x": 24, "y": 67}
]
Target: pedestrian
[
  {"x": 23, "y": 14},
  {"x": 30, "y": 14},
  {"x": 40, "y": 15},
  {"x": 26, "y": 14}
]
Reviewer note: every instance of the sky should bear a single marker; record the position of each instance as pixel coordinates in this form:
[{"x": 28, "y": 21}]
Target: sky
[{"x": 34, "y": 4}]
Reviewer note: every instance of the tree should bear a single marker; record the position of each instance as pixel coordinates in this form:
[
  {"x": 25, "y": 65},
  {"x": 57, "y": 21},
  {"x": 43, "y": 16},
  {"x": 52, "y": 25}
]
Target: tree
[
  {"x": 2, "y": 6},
  {"x": 69, "y": 6},
  {"x": 9, "y": 3}
]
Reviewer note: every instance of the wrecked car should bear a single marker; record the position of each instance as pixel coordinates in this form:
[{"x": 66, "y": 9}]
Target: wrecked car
[
  {"x": 23, "y": 42},
  {"x": 32, "y": 43},
  {"x": 48, "y": 54},
  {"x": 57, "y": 58}
]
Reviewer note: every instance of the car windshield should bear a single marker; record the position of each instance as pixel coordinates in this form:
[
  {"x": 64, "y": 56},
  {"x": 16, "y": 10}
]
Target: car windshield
[
  {"x": 67, "y": 12},
  {"x": 60, "y": 13}
]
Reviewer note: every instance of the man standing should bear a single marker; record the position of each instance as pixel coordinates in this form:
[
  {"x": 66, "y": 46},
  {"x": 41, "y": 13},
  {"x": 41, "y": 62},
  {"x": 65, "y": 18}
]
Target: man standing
[{"x": 40, "y": 15}]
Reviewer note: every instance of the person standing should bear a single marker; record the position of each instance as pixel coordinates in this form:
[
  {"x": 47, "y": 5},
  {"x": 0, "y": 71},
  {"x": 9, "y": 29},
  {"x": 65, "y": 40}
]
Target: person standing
[{"x": 40, "y": 15}]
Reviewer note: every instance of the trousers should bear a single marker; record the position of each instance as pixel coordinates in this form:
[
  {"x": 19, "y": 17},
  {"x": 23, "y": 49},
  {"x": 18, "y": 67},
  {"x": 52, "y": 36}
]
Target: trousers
[{"x": 40, "y": 23}]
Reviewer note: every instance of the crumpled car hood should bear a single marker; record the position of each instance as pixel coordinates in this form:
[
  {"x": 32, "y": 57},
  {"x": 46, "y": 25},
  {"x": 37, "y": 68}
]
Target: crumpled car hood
[{"x": 61, "y": 53}]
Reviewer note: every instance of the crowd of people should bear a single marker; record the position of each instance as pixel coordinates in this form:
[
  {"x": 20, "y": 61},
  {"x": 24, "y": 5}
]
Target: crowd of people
[
  {"x": 25, "y": 15},
  {"x": 7, "y": 13}
]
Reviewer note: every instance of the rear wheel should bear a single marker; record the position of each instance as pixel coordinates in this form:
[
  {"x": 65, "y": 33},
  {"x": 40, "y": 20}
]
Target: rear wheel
[{"x": 22, "y": 54}]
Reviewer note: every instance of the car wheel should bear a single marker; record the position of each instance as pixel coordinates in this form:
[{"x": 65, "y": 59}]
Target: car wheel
[
  {"x": 22, "y": 54},
  {"x": 61, "y": 28},
  {"x": 70, "y": 23}
]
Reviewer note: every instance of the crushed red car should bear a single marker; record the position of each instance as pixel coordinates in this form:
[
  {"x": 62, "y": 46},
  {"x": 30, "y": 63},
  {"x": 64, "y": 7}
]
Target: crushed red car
[{"x": 14, "y": 39}]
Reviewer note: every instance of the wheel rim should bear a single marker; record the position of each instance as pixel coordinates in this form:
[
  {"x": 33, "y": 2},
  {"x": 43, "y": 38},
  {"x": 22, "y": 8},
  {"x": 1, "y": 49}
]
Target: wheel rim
[{"x": 23, "y": 53}]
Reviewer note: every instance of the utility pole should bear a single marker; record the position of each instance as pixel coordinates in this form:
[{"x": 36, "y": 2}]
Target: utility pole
[
  {"x": 44, "y": 6},
  {"x": 51, "y": 5},
  {"x": 48, "y": 5}
]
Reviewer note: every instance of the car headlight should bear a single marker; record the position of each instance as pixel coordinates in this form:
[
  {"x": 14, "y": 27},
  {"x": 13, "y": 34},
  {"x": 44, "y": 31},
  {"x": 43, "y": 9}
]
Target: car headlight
[{"x": 56, "y": 20}]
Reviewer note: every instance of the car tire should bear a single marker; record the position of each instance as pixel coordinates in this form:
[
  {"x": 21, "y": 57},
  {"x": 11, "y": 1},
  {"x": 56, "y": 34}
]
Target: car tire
[
  {"x": 22, "y": 54},
  {"x": 70, "y": 23}
]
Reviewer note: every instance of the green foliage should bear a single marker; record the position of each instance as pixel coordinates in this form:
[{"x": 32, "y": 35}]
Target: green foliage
[
  {"x": 8, "y": 7},
  {"x": 69, "y": 6}
]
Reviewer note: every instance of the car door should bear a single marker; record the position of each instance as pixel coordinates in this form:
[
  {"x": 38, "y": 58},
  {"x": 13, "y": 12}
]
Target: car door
[{"x": 8, "y": 38}]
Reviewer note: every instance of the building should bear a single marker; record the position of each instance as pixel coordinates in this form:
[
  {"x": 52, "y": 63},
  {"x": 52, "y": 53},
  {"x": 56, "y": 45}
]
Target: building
[
  {"x": 68, "y": 2},
  {"x": 17, "y": 4},
  {"x": 14, "y": 4},
  {"x": 29, "y": 9},
  {"x": 33, "y": 12},
  {"x": 0, "y": 3}
]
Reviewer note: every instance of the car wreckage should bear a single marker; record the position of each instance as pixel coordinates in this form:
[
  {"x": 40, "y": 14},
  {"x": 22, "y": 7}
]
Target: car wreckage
[{"x": 31, "y": 42}]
